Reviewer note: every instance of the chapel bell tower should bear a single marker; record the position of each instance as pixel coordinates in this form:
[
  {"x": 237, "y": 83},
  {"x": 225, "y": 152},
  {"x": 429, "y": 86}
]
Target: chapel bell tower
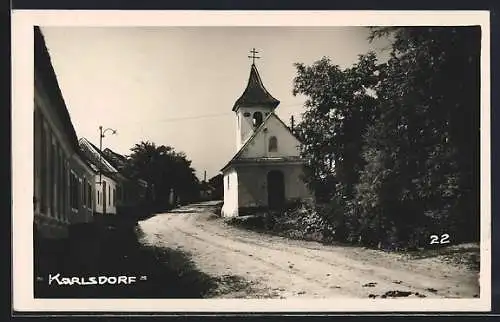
[{"x": 253, "y": 106}]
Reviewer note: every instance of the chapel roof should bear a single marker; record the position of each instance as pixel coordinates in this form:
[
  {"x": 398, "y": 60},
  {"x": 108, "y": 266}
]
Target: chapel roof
[{"x": 255, "y": 93}]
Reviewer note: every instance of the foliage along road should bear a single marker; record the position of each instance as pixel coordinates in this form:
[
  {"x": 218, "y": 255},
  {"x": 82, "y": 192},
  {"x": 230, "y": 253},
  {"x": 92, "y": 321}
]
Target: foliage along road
[{"x": 254, "y": 265}]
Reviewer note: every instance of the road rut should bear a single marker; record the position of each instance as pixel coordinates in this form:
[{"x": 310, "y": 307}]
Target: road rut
[{"x": 277, "y": 267}]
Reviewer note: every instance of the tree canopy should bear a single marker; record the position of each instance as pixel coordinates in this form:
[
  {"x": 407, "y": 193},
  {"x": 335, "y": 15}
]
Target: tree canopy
[
  {"x": 395, "y": 145},
  {"x": 166, "y": 169}
]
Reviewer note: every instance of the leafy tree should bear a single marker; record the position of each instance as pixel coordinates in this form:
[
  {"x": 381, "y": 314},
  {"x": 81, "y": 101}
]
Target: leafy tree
[
  {"x": 427, "y": 134},
  {"x": 339, "y": 103},
  {"x": 166, "y": 169},
  {"x": 395, "y": 146}
]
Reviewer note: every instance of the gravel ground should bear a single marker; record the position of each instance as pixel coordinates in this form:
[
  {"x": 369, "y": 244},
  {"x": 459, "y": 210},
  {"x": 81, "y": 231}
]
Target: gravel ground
[{"x": 248, "y": 264}]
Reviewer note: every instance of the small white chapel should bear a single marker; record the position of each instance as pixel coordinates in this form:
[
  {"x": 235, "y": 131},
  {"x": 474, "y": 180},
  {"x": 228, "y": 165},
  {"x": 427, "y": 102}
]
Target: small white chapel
[{"x": 266, "y": 171}]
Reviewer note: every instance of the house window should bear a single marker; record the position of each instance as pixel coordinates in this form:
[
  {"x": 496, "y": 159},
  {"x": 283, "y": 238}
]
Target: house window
[
  {"x": 114, "y": 197},
  {"x": 89, "y": 192},
  {"x": 83, "y": 184},
  {"x": 64, "y": 184},
  {"x": 273, "y": 144},
  {"x": 50, "y": 171},
  {"x": 257, "y": 119},
  {"x": 53, "y": 182},
  {"x": 227, "y": 182},
  {"x": 98, "y": 197},
  {"x": 74, "y": 193},
  {"x": 43, "y": 167},
  {"x": 119, "y": 191},
  {"x": 109, "y": 195},
  {"x": 61, "y": 182},
  {"x": 62, "y": 167}
]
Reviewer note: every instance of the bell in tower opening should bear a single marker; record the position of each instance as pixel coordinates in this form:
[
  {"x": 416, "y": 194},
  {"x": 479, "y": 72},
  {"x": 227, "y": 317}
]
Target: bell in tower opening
[{"x": 257, "y": 119}]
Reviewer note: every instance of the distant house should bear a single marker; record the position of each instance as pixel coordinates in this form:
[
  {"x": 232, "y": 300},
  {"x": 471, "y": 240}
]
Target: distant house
[
  {"x": 105, "y": 179},
  {"x": 217, "y": 182},
  {"x": 116, "y": 193},
  {"x": 131, "y": 193},
  {"x": 63, "y": 182},
  {"x": 266, "y": 170},
  {"x": 207, "y": 191}
]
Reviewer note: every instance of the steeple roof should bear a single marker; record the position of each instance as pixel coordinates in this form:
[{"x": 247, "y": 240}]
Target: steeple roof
[{"x": 255, "y": 93}]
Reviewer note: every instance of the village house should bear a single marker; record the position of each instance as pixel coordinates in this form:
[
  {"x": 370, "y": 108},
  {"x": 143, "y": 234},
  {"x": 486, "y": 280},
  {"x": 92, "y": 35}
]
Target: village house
[
  {"x": 206, "y": 191},
  {"x": 266, "y": 172},
  {"x": 63, "y": 182},
  {"x": 67, "y": 194},
  {"x": 132, "y": 195},
  {"x": 106, "y": 182},
  {"x": 115, "y": 192}
]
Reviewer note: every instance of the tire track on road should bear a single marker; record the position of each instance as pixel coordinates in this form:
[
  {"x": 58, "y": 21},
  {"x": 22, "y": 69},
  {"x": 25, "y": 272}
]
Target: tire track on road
[
  {"x": 356, "y": 267},
  {"x": 296, "y": 265},
  {"x": 245, "y": 255}
]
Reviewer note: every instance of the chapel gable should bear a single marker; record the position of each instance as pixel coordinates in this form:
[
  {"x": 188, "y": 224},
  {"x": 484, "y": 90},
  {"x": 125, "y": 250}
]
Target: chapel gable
[{"x": 272, "y": 139}]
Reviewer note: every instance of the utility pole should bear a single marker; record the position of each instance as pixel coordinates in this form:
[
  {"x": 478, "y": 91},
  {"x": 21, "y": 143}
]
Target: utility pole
[
  {"x": 292, "y": 123},
  {"x": 205, "y": 176},
  {"x": 101, "y": 135}
]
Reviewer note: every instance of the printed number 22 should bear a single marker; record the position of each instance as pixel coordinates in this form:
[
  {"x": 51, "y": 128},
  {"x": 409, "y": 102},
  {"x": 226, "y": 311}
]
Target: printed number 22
[{"x": 444, "y": 239}]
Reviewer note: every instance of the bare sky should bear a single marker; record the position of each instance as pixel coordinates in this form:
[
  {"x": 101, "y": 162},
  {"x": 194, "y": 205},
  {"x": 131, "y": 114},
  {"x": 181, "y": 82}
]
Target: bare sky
[{"x": 176, "y": 85}]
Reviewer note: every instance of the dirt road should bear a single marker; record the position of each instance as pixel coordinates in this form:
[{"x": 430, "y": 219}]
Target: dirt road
[{"x": 275, "y": 267}]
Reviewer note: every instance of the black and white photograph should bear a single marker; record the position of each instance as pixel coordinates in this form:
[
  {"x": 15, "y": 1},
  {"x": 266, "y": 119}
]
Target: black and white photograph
[{"x": 292, "y": 166}]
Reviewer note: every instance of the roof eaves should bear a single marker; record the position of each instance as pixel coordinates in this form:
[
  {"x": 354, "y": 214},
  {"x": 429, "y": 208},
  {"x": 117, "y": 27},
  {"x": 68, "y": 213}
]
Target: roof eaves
[
  {"x": 103, "y": 159},
  {"x": 44, "y": 67}
]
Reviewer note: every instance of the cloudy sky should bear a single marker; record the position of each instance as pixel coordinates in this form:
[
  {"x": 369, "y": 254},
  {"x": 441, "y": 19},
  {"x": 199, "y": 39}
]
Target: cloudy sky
[{"x": 176, "y": 85}]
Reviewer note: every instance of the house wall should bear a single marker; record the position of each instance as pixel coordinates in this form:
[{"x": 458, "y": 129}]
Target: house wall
[
  {"x": 133, "y": 199},
  {"x": 82, "y": 206},
  {"x": 108, "y": 195},
  {"x": 51, "y": 218},
  {"x": 230, "y": 206},
  {"x": 253, "y": 184},
  {"x": 55, "y": 163},
  {"x": 126, "y": 193}
]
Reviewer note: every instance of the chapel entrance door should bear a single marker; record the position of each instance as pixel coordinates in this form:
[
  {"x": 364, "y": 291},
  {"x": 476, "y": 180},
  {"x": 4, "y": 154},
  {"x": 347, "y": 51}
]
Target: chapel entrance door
[{"x": 275, "y": 190}]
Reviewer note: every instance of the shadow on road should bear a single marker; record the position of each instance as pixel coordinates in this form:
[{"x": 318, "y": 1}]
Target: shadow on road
[{"x": 159, "y": 272}]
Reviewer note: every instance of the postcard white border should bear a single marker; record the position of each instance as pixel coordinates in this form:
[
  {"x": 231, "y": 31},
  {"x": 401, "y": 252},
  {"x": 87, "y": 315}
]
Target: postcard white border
[{"x": 22, "y": 158}]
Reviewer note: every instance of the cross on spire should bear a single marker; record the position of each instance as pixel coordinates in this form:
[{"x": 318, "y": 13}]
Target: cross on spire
[{"x": 253, "y": 52}]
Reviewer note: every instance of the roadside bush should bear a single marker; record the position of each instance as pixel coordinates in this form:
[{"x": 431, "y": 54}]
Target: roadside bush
[
  {"x": 334, "y": 214},
  {"x": 254, "y": 222},
  {"x": 302, "y": 221},
  {"x": 299, "y": 220}
]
